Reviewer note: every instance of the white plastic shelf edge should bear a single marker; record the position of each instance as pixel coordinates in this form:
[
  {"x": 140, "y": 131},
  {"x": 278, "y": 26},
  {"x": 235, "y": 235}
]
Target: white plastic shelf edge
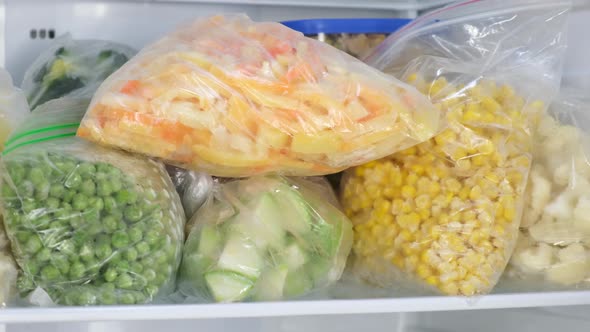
[{"x": 293, "y": 308}]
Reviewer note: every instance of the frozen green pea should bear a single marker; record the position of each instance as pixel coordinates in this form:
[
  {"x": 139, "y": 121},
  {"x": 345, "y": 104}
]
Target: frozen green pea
[
  {"x": 124, "y": 281},
  {"x": 142, "y": 248},
  {"x": 77, "y": 270},
  {"x": 136, "y": 267},
  {"x": 26, "y": 189},
  {"x": 61, "y": 263},
  {"x": 110, "y": 204},
  {"x": 116, "y": 185},
  {"x": 131, "y": 254},
  {"x": 76, "y": 221},
  {"x": 80, "y": 202},
  {"x": 116, "y": 257},
  {"x": 110, "y": 224},
  {"x": 16, "y": 173},
  {"x": 98, "y": 203},
  {"x": 93, "y": 266},
  {"x": 69, "y": 195},
  {"x": 139, "y": 283},
  {"x": 109, "y": 286},
  {"x": 122, "y": 266},
  {"x": 152, "y": 237},
  {"x": 140, "y": 297},
  {"x": 161, "y": 259},
  {"x": 23, "y": 236},
  {"x": 67, "y": 247},
  {"x": 71, "y": 298},
  {"x": 32, "y": 268},
  {"x": 127, "y": 298},
  {"x": 104, "y": 188},
  {"x": 29, "y": 205},
  {"x": 87, "y": 297},
  {"x": 50, "y": 273},
  {"x": 107, "y": 297},
  {"x": 88, "y": 187},
  {"x": 86, "y": 252},
  {"x": 42, "y": 191},
  {"x": 43, "y": 255},
  {"x": 52, "y": 203},
  {"x": 33, "y": 245},
  {"x": 120, "y": 239},
  {"x": 73, "y": 181},
  {"x": 135, "y": 234},
  {"x": 66, "y": 166},
  {"x": 133, "y": 213},
  {"x": 41, "y": 222},
  {"x": 95, "y": 228},
  {"x": 86, "y": 168},
  {"x": 36, "y": 175},
  {"x": 103, "y": 251},
  {"x": 123, "y": 197},
  {"x": 110, "y": 275}
]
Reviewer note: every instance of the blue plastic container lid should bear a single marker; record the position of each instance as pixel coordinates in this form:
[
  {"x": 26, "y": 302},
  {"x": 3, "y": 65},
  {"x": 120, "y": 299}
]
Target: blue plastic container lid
[{"x": 347, "y": 25}]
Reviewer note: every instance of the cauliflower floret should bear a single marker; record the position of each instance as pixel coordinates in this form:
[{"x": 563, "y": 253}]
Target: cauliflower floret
[
  {"x": 561, "y": 207},
  {"x": 567, "y": 273},
  {"x": 561, "y": 174},
  {"x": 8, "y": 274},
  {"x": 534, "y": 259},
  {"x": 539, "y": 197},
  {"x": 572, "y": 253}
]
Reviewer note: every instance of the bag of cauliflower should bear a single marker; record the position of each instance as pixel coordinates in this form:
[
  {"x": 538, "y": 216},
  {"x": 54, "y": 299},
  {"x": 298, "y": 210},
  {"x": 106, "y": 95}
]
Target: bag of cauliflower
[
  {"x": 444, "y": 214},
  {"x": 553, "y": 248}
]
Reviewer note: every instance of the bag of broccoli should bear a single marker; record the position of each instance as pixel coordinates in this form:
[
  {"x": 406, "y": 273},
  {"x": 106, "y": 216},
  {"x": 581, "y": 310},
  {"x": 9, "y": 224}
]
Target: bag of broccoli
[
  {"x": 73, "y": 68},
  {"x": 265, "y": 238},
  {"x": 87, "y": 225}
]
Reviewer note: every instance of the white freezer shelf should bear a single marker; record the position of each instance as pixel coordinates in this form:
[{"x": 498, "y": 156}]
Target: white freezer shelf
[{"x": 291, "y": 308}]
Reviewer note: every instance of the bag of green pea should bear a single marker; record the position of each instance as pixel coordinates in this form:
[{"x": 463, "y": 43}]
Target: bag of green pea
[{"x": 87, "y": 225}]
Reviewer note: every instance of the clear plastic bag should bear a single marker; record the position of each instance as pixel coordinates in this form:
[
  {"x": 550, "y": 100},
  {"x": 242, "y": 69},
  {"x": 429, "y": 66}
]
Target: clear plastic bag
[
  {"x": 444, "y": 214},
  {"x": 13, "y": 106},
  {"x": 235, "y": 98},
  {"x": 88, "y": 225},
  {"x": 193, "y": 188},
  {"x": 72, "y": 68},
  {"x": 554, "y": 241},
  {"x": 265, "y": 238}
]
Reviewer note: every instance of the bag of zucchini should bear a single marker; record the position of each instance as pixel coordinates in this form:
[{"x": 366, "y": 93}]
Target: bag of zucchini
[
  {"x": 444, "y": 214},
  {"x": 263, "y": 239},
  {"x": 88, "y": 225}
]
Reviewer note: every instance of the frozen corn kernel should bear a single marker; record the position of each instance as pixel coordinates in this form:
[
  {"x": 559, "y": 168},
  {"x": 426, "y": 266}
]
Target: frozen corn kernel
[{"x": 455, "y": 199}]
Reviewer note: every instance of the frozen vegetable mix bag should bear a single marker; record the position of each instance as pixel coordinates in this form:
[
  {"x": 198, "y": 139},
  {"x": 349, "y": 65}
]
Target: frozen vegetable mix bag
[
  {"x": 445, "y": 214},
  {"x": 73, "y": 68},
  {"x": 87, "y": 225},
  {"x": 265, "y": 238},
  {"x": 236, "y": 98},
  {"x": 553, "y": 248}
]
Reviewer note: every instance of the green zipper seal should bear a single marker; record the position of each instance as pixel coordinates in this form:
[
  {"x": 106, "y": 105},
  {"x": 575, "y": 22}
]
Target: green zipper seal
[
  {"x": 48, "y": 138},
  {"x": 38, "y": 131}
]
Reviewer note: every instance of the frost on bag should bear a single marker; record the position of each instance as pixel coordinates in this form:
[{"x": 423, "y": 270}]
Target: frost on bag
[
  {"x": 263, "y": 239},
  {"x": 554, "y": 242},
  {"x": 73, "y": 68},
  {"x": 87, "y": 225},
  {"x": 236, "y": 98},
  {"x": 445, "y": 213}
]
